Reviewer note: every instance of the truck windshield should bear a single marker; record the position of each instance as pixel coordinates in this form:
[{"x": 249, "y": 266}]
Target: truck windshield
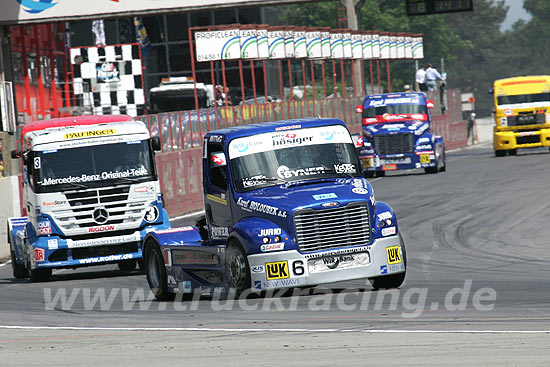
[
  {"x": 524, "y": 98},
  {"x": 394, "y": 109},
  {"x": 93, "y": 166},
  {"x": 271, "y": 159}
]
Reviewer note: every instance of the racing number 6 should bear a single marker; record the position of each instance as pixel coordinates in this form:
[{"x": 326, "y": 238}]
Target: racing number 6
[{"x": 298, "y": 268}]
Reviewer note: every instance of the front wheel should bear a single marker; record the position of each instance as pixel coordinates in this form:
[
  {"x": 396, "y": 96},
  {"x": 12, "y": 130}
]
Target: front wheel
[
  {"x": 500, "y": 153},
  {"x": 127, "y": 265},
  {"x": 444, "y": 160},
  {"x": 237, "y": 269},
  {"x": 156, "y": 273},
  {"x": 19, "y": 271},
  {"x": 40, "y": 275}
]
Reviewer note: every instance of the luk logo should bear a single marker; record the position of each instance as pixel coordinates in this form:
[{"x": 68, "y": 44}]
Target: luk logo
[
  {"x": 277, "y": 270},
  {"x": 34, "y": 6}
]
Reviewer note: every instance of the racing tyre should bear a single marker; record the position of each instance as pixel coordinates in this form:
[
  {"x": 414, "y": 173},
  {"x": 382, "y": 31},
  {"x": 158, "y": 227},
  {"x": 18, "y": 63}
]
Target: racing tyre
[
  {"x": 19, "y": 271},
  {"x": 156, "y": 273},
  {"x": 237, "y": 268},
  {"x": 500, "y": 153},
  {"x": 40, "y": 275},
  {"x": 513, "y": 152},
  {"x": 368, "y": 174},
  {"x": 381, "y": 173},
  {"x": 127, "y": 265},
  {"x": 444, "y": 160},
  {"x": 391, "y": 281}
]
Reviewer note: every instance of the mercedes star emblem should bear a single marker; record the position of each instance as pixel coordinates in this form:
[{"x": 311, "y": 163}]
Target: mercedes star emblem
[{"x": 100, "y": 215}]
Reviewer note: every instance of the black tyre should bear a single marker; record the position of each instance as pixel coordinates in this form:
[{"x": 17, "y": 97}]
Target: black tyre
[
  {"x": 156, "y": 273},
  {"x": 443, "y": 167},
  {"x": 513, "y": 152},
  {"x": 127, "y": 265},
  {"x": 40, "y": 275},
  {"x": 391, "y": 281},
  {"x": 432, "y": 170},
  {"x": 381, "y": 173},
  {"x": 19, "y": 271},
  {"x": 500, "y": 153},
  {"x": 368, "y": 174},
  {"x": 237, "y": 268}
]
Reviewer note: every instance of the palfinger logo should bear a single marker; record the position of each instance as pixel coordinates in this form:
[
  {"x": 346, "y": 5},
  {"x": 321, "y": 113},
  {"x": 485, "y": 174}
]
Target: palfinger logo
[{"x": 36, "y": 6}]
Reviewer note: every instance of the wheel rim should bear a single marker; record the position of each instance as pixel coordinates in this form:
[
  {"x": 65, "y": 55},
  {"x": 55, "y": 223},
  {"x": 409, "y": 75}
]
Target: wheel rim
[
  {"x": 237, "y": 270},
  {"x": 154, "y": 270}
]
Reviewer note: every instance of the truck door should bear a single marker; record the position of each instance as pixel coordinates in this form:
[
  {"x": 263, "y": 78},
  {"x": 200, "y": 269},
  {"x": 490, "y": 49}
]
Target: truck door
[{"x": 217, "y": 193}]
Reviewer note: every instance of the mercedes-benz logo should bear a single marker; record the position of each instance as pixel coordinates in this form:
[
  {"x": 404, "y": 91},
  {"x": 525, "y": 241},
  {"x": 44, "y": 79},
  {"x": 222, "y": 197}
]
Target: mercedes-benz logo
[{"x": 100, "y": 215}]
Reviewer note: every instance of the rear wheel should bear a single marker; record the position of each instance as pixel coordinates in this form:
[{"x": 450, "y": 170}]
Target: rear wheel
[
  {"x": 127, "y": 265},
  {"x": 500, "y": 153},
  {"x": 392, "y": 281},
  {"x": 381, "y": 173},
  {"x": 368, "y": 174},
  {"x": 237, "y": 269},
  {"x": 513, "y": 152},
  {"x": 156, "y": 273},
  {"x": 444, "y": 160}
]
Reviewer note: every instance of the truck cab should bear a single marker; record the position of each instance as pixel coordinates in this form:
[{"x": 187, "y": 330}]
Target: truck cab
[
  {"x": 396, "y": 134},
  {"x": 90, "y": 194},
  {"x": 285, "y": 206}
]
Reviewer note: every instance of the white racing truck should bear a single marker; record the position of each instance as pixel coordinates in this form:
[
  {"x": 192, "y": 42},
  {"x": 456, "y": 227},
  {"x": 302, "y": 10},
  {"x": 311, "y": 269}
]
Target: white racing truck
[{"x": 90, "y": 194}]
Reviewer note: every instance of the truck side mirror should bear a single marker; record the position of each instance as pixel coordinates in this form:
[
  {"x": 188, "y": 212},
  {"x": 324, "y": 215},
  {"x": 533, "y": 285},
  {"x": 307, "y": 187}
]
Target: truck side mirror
[
  {"x": 430, "y": 104},
  {"x": 357, "y": 140},
  {"x": 16, "y": 153},
  {"x": 359, "y": 109},
  {"x": 155, "y": 143},
  {"x": 491, "y": 91}
]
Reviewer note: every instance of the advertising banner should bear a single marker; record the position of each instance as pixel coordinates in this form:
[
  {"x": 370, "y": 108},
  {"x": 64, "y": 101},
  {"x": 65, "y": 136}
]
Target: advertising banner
[{"x": 218, "y": 45}]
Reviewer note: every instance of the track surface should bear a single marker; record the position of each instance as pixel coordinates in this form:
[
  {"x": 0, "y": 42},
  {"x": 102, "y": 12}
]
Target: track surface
[{"x": 485, "y": 223}]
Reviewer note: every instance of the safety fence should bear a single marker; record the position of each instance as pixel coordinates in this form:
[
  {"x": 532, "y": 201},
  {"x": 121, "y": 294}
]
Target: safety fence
[{"x": 179, "y": 163}]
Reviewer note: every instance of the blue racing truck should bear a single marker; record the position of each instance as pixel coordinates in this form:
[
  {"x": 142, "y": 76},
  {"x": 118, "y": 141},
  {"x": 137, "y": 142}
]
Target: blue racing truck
[
  {"x": 285, "y": 206},
  {"x": 396, "y": 135}
]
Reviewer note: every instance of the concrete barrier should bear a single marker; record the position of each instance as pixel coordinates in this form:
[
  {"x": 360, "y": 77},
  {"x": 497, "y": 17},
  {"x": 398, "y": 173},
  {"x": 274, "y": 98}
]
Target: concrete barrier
[{"x": 9, "y": 207}]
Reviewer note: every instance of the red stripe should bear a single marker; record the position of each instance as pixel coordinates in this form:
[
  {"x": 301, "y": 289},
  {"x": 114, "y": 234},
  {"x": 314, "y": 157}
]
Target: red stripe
[{"x": 526, "y": 82}]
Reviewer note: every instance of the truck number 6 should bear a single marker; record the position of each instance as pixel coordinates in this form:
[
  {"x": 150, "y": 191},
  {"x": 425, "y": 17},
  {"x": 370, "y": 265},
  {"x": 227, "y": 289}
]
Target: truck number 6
[{"x": 298, "y": 268}]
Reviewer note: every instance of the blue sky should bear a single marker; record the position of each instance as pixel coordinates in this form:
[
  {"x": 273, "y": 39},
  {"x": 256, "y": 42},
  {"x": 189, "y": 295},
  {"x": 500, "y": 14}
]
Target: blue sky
[{"x": 515, "y": 12}]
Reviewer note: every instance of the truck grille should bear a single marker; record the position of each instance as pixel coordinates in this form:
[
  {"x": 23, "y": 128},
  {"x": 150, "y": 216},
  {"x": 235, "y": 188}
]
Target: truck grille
[
  {"x": 526, "y": 119},
  {"x": 326, "y": 229},
  {"x": 393, "y": 144},
  {"x": 126, "y": 213}
]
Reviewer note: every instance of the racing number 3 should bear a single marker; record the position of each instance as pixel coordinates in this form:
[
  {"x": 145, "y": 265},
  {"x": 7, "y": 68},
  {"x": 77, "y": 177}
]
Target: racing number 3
[{"x": 393, "y": 255}]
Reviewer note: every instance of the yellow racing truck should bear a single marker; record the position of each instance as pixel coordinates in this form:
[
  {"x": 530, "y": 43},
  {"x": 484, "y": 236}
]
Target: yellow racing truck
[{"x": 522, "y": 113}]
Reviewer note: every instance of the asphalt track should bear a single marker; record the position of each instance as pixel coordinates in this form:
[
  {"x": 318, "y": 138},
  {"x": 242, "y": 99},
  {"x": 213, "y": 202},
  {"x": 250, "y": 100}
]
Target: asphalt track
[{"x": 477, "y": 291}]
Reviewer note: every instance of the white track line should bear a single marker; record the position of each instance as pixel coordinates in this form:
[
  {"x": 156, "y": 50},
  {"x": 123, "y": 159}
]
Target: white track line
[
  {"x": 6, "y": 263},
  {"x": 372, "y": 331}
]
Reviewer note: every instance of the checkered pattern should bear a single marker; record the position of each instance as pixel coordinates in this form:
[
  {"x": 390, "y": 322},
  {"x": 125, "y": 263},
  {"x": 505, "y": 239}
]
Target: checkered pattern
[{"x": 108, "y": 79}]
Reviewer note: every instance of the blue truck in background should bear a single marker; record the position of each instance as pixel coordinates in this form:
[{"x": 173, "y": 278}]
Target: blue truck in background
[
  {"x": 396, "y": 135},
  {"x": 286, "y": 205}
]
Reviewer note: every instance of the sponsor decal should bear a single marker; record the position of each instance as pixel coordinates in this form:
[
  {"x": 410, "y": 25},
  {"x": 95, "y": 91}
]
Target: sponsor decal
[
  {"x": 36, "y": 6},
  {"x": 257, "y": 284},
  {"x": 38, "y": 254},
  {"x": 341, "y": 262},
  {"x": 132, "y": 172},
  {"x": 289, "y": 127},
  {"x": 393, "y": 255},
  {"x": 282, "y": 283},
  {"x": 254, "y": 181},
  {"x": 89, "y": 134},
  {"x": 290, "y": 139},
  {"x": 384, "y": 216},
  {"x": 424, "y": 147},
  {"x": 389, "y": 167},
  {"x": 107, "y": 72},
  {"x": 190, "y": 257},
  {"x": 52, "y": 244},
  {"x": 99, "y": 259},
  {"x": 383, "y": 269},
  {"x": 372, "y": 200},
  {"x": 269, "y": 232},
  {"x": 398, "y": 160},
  {"x": 258, "y": 269},
  {"x": 101, "y": 229},
  {"x": 360, "y": 191},
  {"x": 424, "y": 158},
  {"x": 277, "y": 270},
  {"x": 218, "y": 159},
  {"x": 273, "y": 247},
  {"x": 284, "y": 172},
  {"x": 508, "y": 112},
  {"x": 219, "y": 232},
  {"x": 345, "y": 168},
  {"x": 186, "y": 286},
  {"x": 216, "y": 138},
  {"x": 388, "y": 231},
  {"x": 44, "y": 227},
  {"x": 171, "y": 280},
  {"x": 54, "y": 203},
  {"x": 174, "y": 230},
  {"x": 104, "y": 241},
  {"x": 327, "y": 205},
  {"x": 325, "y": 196},
  {"x": 250, "y": 205}
]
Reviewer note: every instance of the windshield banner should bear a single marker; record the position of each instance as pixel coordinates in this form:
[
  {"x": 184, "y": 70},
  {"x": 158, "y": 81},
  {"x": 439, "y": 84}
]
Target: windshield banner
[
  {"x": 335, "y": 134},
  {"x": 132, "y": 172}
]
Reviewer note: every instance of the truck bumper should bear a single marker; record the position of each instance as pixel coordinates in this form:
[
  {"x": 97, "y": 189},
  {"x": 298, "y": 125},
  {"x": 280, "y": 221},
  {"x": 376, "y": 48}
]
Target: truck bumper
[
  {"x": 508, "y": 140},
  {"x": 376, "y": 163},
  {"x": 292, "y": 269}
]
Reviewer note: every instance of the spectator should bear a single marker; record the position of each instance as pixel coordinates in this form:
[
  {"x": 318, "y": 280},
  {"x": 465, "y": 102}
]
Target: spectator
[
  {"x": 420, "y": 78},
  {"x": 432, "y": 75},
  {"x": 471, "y": 124},
  {"x": 221, "y": 96},
  {"x": 1, "y": 161}
]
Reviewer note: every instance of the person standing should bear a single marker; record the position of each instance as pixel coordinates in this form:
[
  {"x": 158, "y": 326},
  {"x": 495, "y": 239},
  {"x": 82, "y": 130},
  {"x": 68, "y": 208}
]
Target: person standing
[
  {"x": 471, "y": 124},
  {"x": 432, "y": 75},
  {"x": 420, "y": 78}
]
